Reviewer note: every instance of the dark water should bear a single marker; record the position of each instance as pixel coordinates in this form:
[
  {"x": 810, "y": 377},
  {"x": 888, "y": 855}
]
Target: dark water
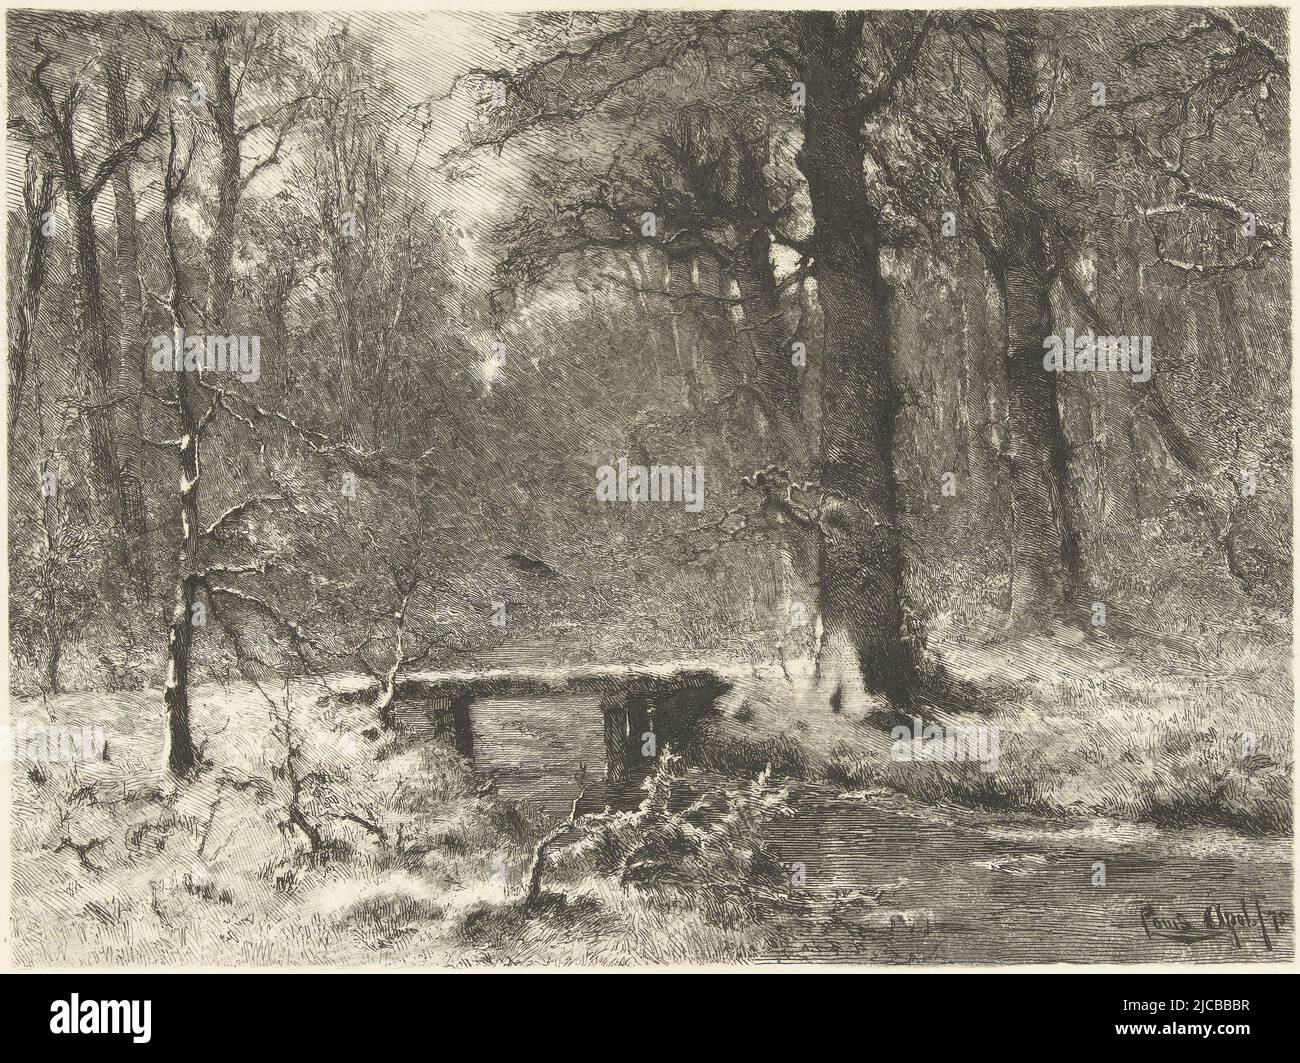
[
  {"x": 887, "y": 880},
  {"x": 534, "y": 746},
  {"x": 953, "y": 888}
]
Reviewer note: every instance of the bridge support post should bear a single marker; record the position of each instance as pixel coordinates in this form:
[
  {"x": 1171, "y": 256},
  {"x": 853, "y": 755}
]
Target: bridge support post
[
  {"x": 460, "y": 722},
  {"x": 629, "y": 718},
  {"x": 640, "y": 723},
  {"x": 613, "y": 706}
]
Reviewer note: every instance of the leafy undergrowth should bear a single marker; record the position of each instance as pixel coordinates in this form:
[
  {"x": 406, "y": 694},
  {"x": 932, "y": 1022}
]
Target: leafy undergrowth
[
  {"x": 1178, "y": 710},
  {"x": 1178, "y": 728},
  {"x": 325, "y": 842},
  {"x": 310, "y": 837},
  {"x": 1131, "y": 727}
]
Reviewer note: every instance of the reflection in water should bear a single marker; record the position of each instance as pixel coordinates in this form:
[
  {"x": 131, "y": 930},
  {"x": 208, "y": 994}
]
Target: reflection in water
[{"x": 534, "y": 746}]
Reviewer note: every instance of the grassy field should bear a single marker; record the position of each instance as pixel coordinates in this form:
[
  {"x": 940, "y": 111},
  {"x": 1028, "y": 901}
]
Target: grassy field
[
  {"x": 1089, "y": 724},
  {"x": 390, "y": 853},
  {"x": 309, "y": 837}
]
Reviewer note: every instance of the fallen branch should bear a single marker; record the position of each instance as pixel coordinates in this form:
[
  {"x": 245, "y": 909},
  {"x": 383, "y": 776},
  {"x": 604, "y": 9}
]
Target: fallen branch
[
  {"x": 83, "y": 852},
  {"x": 370, "y": 828},
  {"x": 550, "y": 838}
]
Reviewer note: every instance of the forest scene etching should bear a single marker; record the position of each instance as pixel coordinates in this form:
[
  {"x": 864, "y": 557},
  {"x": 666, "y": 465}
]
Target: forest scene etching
[{"x": 649, "y": 487}]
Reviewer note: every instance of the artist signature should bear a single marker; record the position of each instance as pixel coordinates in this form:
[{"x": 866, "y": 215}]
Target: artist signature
[{"x": 1245, "y": 920}]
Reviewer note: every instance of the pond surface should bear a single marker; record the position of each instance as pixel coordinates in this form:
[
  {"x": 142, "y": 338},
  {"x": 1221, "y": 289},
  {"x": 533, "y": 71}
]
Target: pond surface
[
  {"x": 889, "y": 879},
  {"x": 534, "y": 746},
  {"x": 881, "y": 878}
]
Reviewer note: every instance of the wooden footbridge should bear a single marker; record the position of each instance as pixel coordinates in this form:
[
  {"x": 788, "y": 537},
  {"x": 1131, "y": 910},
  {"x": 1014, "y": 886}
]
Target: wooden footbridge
[{"x": 635, "y": 701}]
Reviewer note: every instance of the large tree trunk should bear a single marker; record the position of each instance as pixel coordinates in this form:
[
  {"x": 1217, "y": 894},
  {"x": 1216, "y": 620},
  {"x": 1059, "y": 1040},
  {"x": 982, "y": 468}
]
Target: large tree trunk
[
  {"x": 129, "y": 384},
  {"x": 180, "y": 755},
  {"x": 785, "y": 436},
  {"x": 221, "y": 242},
  {"x": 178, "y": 747},
  {"x": 38, "y": 199},
  {"x": 776, "y": 374},
  {"x": 384, "y": 704},
  {"x": 975, "y": 413},
  {"x": 1118, "y": 282},
  {"x": 861, "y": 561},
  {"x": 1045, "y": 548},
  {"x": 680, "y": 286},
  {"x": 1045, "y": 540},
  {"x": 94, "y": 366}
]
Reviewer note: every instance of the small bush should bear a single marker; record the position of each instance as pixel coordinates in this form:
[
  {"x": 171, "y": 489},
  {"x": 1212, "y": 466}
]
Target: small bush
[{"x": 707, "y": 849}]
